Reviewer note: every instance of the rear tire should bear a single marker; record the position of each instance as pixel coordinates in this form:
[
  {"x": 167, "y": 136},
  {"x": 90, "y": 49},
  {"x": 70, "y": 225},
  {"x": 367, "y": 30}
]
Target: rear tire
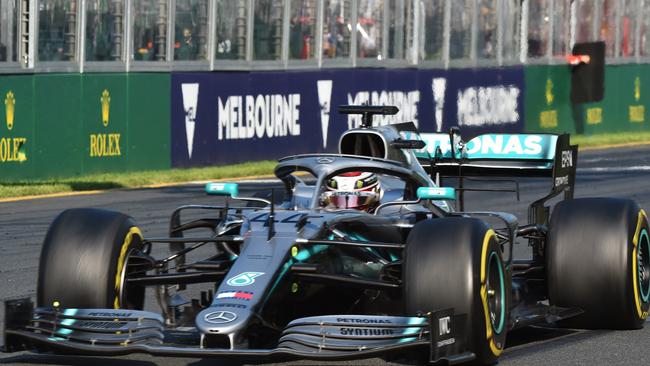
[
  {"x": 598, "y": 259},
  {"x": 457, "y": 263},
  {"x": 84, "y": 261}
]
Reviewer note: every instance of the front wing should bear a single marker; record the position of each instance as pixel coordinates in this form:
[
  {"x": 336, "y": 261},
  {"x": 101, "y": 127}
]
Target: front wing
[{"x": 108, "y": 332}]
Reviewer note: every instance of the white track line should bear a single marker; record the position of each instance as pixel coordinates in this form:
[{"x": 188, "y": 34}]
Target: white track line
[{"x": 616, "y": 169}]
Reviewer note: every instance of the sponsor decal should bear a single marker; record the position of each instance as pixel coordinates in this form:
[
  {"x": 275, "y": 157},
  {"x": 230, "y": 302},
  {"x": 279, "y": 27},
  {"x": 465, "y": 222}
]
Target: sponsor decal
[
  {"x": 561, "y": 181},
  {"x": 513, "y": 145},
  {"x": 637, "y": 112},
  {"x": 549, "y": 92},
  {"x": 324, "y": 97},
  {"x": 10, "y": 105},
  {"x": 444, "y": 326},
  {"x": 105, "y": 144},
  {"x": 258, "y": 116},
  {"x": 446, "y": 342},
  {"x": 406, "y": 101},
  {"x": 594, "y": 115},
  {"x": 101, "y": 325},
  {"x": 325, "y": 160},
  {"x": 190, "y": 103},
  {"x": 494, "y": 105},
  {"x": 438, "y": 86},
  {"x": 495, "y": 146},
  {"x": 11, "y": 148},
  {"x": 111, "y": 314},
  {"x": 105, "y": 100},
  {"x": 220, "y": 317},
  {"x": 366, "y": 331},
  {"x": 567, "y": 159},
  {"x": 244, "y": 279},
  {"x": 238, "y": 295},
  {"x": 548, "y": 118},
  {"x": 363, "y": 321}
]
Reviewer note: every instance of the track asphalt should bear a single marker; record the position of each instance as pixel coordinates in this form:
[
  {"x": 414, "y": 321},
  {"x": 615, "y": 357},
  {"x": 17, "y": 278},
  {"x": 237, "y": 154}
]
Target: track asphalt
[{"x": 617, "y": 172}]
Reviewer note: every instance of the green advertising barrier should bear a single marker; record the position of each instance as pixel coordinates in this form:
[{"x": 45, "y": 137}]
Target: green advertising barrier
[
  {"x": 623, "y": 109},
  {"x": 17, "y": 145},
  {"x": 57, "y": 121},
  {"x": 149, "y": 121},
  {"x": 547, "y": 99},
  {"x": 65, "y": 125}
]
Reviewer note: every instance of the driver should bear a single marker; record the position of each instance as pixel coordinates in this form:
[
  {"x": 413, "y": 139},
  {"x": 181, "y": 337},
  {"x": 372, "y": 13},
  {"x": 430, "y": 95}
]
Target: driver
[{"x": 355, "y": 190}]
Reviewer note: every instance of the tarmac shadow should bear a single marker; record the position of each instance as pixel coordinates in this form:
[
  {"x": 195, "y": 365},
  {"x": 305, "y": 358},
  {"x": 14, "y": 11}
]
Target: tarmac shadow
[{"x": 44, "y": 359}]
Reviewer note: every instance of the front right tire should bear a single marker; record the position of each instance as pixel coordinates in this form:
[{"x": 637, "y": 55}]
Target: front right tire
[
  {"x": 598, "y": 260},
  {"x": 457, "y": 263}
]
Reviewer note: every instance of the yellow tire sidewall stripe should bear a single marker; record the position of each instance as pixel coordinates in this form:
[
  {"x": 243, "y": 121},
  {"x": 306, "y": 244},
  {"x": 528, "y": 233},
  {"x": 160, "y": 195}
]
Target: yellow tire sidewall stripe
[
  {"x": 489, "y": 336},
  {"x": 121, "y": 265},
  {"x": 635, "y": 273}
]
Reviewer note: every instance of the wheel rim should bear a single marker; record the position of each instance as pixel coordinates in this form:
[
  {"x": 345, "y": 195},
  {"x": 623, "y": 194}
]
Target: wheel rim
[
  {"x": 643, "y": 265},
  {"x": 496, "y": 293},
  {"x": 132, "y": 243},
  {"x": 123, "y": 284}
]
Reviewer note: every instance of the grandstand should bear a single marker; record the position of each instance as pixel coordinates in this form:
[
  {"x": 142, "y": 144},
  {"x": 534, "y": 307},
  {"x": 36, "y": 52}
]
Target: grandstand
[{"x": 203, "y": 35}]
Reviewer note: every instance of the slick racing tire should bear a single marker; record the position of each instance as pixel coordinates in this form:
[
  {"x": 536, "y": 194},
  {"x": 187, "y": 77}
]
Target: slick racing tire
[
  {"x": 456, "y": 263},
  {"x": 598, "y": 260},
  {"x": 84, "y": 261}
]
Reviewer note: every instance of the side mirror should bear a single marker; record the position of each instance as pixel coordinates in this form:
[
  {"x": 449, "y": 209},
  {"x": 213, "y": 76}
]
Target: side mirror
[
  {"x": 222, "y": 189},
  {"x": 436, "y": 193}
]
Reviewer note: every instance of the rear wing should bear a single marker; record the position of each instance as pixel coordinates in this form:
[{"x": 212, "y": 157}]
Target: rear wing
[{"x": 501, "y": 155}]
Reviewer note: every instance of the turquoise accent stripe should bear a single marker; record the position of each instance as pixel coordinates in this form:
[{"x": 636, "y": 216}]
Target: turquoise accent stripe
[
  {"x": 64, "y": 322},
  {"x": 70, "y": 312},
  {"x": 307, "y": 253},
  {"x": 222, "y": 189},
  {"x": 404, "y": 340},
  {"x": 645, "y": 292},
  {"x": 414, "y": 330},
  {"x": 302, "y": 255},
  {"x": 283, "y": 272},
  {"x": 436, "y": 193},
  {"x": 502, "y": 317}
]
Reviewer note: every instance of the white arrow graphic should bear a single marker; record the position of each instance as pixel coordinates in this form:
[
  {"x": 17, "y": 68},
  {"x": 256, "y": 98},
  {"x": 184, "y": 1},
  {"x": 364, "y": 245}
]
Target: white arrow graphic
[
  {"x": 324, "y": 97},
  {"x": 438, "y": 85},
  {"x": 190, "y": 101}
]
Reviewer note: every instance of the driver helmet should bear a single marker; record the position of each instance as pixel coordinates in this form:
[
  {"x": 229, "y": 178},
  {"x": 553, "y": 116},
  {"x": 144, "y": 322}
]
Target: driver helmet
[{"x": 355, "y": 190}]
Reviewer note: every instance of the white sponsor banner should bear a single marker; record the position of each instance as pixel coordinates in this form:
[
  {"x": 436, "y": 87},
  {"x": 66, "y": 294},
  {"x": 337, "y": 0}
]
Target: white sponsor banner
[
  {"x": 258, "y": 116},
  {"x": 493, "y": 105},
  {"x": 406, "y": 101}
]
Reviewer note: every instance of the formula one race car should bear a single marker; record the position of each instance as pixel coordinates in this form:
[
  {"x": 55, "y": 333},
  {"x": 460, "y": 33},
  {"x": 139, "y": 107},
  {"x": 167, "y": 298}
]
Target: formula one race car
[{"x": 362, "y": 255}]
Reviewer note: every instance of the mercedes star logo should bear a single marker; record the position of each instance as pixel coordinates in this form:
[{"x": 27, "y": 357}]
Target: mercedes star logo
[
  {"x": 220, "y": 317},
  {"x": 325, "y": 160}
]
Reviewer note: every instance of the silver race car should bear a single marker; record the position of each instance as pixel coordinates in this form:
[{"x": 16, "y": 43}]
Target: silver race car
[{"x": 361, "y": 254}]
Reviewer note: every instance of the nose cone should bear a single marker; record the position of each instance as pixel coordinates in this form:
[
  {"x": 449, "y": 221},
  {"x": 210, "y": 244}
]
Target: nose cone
[{"x": 222, "y": 320}]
